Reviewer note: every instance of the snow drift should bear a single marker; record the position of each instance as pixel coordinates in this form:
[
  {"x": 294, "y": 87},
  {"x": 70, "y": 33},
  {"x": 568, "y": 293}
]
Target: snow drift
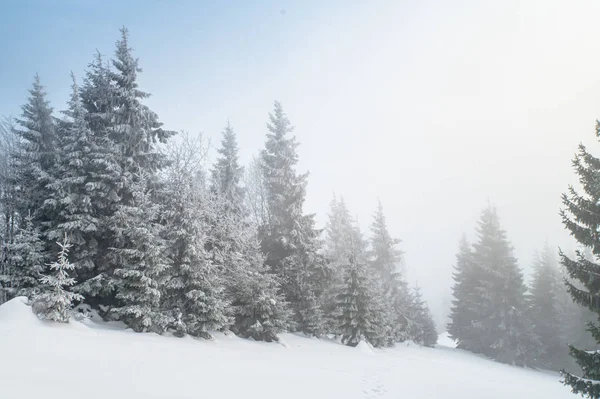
[{"x": 92, "y": 359}]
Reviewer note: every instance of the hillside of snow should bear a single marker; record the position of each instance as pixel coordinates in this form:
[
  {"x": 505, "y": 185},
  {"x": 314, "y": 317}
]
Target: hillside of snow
[{"x": 97, "y": 360}]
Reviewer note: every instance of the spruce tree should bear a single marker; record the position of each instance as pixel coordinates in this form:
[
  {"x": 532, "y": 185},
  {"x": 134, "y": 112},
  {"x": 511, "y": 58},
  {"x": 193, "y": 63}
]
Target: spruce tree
[
  {"x": 582, "y": 218},
  {"x": 35, "y": 159},
  {"x": 74, "y": 196},
  {"x": 227, "y": 174},
  {"x": 424, "y": 332},
  {"x": 356, "y": 320},
  {"x": 139, "y": 257},
  {"x": 342, "y": 240},
  {"x": 25, "y": 260},
  {"x": 495, "y": 300},
  {"x": 193, "y": 288},
  {"x": 547, "y": 311},
  {"x": 385, "y": 265},
  {"x": 466, "y": 293},
  {"x": 55, "y": 301},
  {"x": 289, "y": 239}
]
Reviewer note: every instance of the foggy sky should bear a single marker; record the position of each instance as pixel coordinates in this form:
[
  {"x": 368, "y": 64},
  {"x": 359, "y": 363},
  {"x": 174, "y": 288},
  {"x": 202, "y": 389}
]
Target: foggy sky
[{"x": 433, "y": 107}]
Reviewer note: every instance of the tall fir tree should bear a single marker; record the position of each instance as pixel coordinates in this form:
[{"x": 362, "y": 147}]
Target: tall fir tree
[
  {"x": 289, "y": 238},
  {"x": 423, "y": 329},
  {"x": 581, "y": 216},
  {"x": 495, "y": 300},
  {"x": 35, "y": 159},
  {"x": 140, "y": 261},
  {"x": 73, "y": 196},
  {"x": 463, "y": 312},
  {"x": 357, "y": 319},
  {"x": 385, "y": 263},
  {"x": 547, "y": 308},
  {"x": 128, "y": 133},
  {"x": 227, "y": 173}
]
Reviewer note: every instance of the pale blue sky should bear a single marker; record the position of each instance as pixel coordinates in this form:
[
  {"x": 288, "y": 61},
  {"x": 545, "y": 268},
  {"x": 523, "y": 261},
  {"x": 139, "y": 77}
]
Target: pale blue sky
[{"x": 431, "y": 106}]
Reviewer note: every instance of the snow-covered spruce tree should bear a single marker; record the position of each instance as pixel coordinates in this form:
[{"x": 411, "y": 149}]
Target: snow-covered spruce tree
[
  {"x": 55, "y": 301},
  {"x": 259, "y": 309},
  {"x": 193, "y": 289},
  {"x": 358, "y": 314},
  {"x": 342, "y": 239},
  {"x": 35, "y": 159},
  {"x": 104, "y": 181},
  {"x": 25, "y": 261},
  {"x": 423, "y": 328},
  {"x": 74, "y": 197},
  {"x": 581, "y": 216},
  {"x": 128, "y": 132},
  {"x": 466, "y": 292},
  {"x": 140, "y": 261},
  {"x": 385, "y": 266},
  {"x": 547, "y": 309},
  {"x": 8, "y": 213},
  {"x": 499, "y": 326},
  {"x": 227, "y": 173},
  {"x": 289, "y": 239}
]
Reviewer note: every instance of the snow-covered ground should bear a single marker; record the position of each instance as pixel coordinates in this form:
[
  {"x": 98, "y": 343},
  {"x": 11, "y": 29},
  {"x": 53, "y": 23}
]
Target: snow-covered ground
[{"x": 97, "y": 360}]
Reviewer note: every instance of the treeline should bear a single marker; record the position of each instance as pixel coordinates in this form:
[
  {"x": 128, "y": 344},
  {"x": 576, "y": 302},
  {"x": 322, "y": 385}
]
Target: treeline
[
  {"x": 494, "y": 313},
  {"x": 101, "y": 207}
]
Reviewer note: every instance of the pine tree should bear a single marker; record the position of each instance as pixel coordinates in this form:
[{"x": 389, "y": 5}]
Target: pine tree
[
  {"x": 580, "y": 216},
  {"x": 385, "y": 265},
  {"x": 466, "y": 296},
  {"x": 342, "y": 239},
  {"x": 424, "y": 332},
  {"x": 35, "y": 159},
  {"x": 193, "y": 289},
  {"x": 356, "y": 321},
  {"x": 25, "y": 260},
  {"x": 140, "y": 262},
  {"x": 227, "y": 173},
  {"x": 289, "y": 238},
  {"x": 547, "y": 312},
  {"x": 495, "y": 300},
  {"x": 260, "y": 310},
  {"x": 127, "y": 133},
  {"x": 55, "y": 302},
  {"x": 74, "y": 197}
]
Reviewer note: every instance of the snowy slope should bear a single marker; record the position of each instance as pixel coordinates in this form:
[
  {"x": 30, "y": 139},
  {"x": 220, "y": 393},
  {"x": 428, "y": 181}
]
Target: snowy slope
[{"x": 97, "y": 360}]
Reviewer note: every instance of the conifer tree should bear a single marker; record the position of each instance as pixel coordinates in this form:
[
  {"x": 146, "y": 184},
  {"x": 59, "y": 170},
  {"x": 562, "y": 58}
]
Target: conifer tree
[
  {"x": 547, "y": 309},
  {"x": 227, "y": 174},
  {"x": 342, "y": 239},
  {"x": 490, "y": 312},
  {"x": 35, "y": 159},
  {"x": 193, "y": 289},
  {"x": 25, "y": 260},
  {"x": 580, "y": 216},
  {"x": 55, "y": 301},
  {"x": 356, "y": 321},
  {"x": 424, "y": 332},
  {"x": 385, "y": 265},
  {"x": 139, "y": 258},
  {"x": 463, "y": 311},
  {"x": 73, "y": 197},
  {"x": 289, "y": 239}
]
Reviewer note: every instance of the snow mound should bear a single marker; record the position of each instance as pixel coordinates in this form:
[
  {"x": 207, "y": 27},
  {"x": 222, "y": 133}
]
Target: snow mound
[
  {"x": 41, "y": 359},
  {"x": 17, "y": 311},
  {"x": 364, "y": 347}
]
